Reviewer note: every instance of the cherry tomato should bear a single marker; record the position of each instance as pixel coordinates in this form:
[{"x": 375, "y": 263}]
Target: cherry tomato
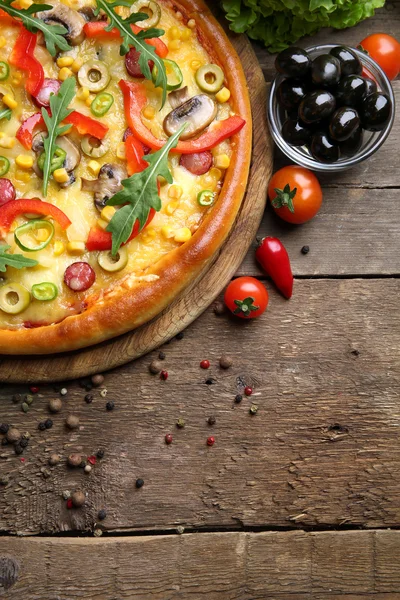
[
  {"x": 295, "y": 194},
  {"x": 385, "y": 50},
  {"x": 246, "y": 297}
]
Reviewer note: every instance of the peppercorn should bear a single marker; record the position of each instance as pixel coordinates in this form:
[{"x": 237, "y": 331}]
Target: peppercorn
[
  {"x": 45, "y": 472},
  {"x": 103, "y": 392},
  {"x": 69, "y": 503},
  {"x": 72, "y": 421},
  {"x": 91, "y": 459},
  {"x": 29, "y": 399},
  {"x": 55, "y": 405},
  {"x": 180, "y": 335},
  {"x": 248, "y": 390},
  {"x": 139, "y": 483},
  {"x": 180, "y": 423},
  {"x": 18, "y": 449},
  {"x": 100, "y": 454},
  {"x": 54, "y": 459},
  {"x": 17, "y": 398},
  {"x": 89, "y": 398},
  {"x": 87, "y": 468},
  {"x": 305, "y": 249},
  {"x": 225, "y": 362},
  {"x": 253, "y": 409},
  {"x": 78, "y": 499},
  {"x": 74, "y": 460},
  {"x": 4, "y": 428},
  {"x": 101, "y": 515},
  {"x": 48, "y": 423},
  {"x": 97, "y": 380},
  {"x": 63, "y": 391},
  {"x": 238, "y": 398},
  {"x": 24, "y": 407},
  {"x": 164, "y": 375},
  {"x": 24, "y": 442},
  {"x": 210, "y": 441},
  {"x": 97, "y": 532},
  {"x": 161, "y": 355},
  {"x": 205, "y": 364},
  {"x": 66, "y": 494},
  {"x": 110, "y": 405},
  {"x": 210, "y": 381},
  {"x": 155, "y": 367},
  {"x": 13, "y": 435},
  {"x": 4, "y": 442},
  {"x": 219, "y": 308},
  {"x": 211, "y": 420},
  {"x": 168, "y": 438},
  {"x": 4, "y": 480}
]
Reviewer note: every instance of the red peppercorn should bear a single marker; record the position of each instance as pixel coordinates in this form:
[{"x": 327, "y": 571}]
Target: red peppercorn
[
  {"x": 69, "y": 503},
  {"x": 210, "y": 441},
  {"x": 91, "y": 460},
  {"x": 248, "y": 390},
  {"x": 168, "y": 438},
  {"x": 164, "y": 375},
  {"x": 205, "y": 364},
  {"x": 34, "y": 389}
]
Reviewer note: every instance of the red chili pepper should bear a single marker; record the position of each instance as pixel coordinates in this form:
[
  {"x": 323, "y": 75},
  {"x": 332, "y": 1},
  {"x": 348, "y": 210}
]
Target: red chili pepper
[
  {"x": 22, "y": 57},
  {"x": 99, "y": 239},
  {"x": 11, "y": 210},
  {"x": 135, "y": 99},
  {"x": 274, "y": 259},
  {"x": 25, "y": 131},
  {"x": 96, "y": 29}
]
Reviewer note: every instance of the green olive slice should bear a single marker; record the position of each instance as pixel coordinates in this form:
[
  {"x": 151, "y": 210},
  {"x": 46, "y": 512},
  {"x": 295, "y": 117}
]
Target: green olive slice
[
  {"x": 14, "y": 298},
  {"x": 113, "y": 263},
  {"x": 152, "y": 9},
  {"x": 94, "y": 75},
  {"x": 94, "y": 147},
  {"x": 210, "y": 78}
]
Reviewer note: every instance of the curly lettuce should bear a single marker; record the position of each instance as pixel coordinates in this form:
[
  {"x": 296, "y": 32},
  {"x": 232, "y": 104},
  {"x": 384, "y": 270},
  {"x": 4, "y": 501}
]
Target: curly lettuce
[{"x": 280, "y": 23}]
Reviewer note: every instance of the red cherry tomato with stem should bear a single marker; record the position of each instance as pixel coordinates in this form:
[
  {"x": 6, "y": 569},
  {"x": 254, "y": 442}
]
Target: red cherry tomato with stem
[
  {"x": 246, "y": 297},
  {"x": 295, "y": 194},
  {"x": 385, "y": 50}
]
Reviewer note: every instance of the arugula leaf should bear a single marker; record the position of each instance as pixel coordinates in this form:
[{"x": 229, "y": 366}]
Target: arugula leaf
[
  {"x": 5, "y": 113},
  {"x": 140, "y": 194},
  {"x": 18, "y": 261},
  {"x": 59, "y": 111},
  {"x": 53, "y": 34},
  {"x": 137, "y": 40}
]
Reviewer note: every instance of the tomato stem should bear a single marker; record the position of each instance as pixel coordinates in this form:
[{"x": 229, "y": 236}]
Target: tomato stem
[
  {"x": 284, "y": 198},
  {"x": 245, "y": 307}
]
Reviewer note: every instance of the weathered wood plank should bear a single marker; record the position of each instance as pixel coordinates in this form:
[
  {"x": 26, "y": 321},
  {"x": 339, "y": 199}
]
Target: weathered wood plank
[
  {"x": 323, "y": 449},
  {"x": 226, "y": 566}
]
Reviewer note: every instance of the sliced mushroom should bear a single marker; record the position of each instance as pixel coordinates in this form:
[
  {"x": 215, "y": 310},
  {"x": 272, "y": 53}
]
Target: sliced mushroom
[
  {"x": 87, "y": 13},
  {"x": 106, "y": 185},
  {"x": 71, "y": 19},
  {"x": 72, "y": 159},
  {"x": 198, "y": 113},
  {"x": 178, "y": 97}
]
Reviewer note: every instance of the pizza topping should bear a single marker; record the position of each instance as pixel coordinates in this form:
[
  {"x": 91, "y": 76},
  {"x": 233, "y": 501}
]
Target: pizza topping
[
  {"x": 50, "y": 86},
  {"x": 94, "y": 147},
  {"x": 135, "y": 153},
  {"x": 4, "y": 70},
  {"x": 4, "y": 165},
  {"x": 45, "y": 291},
  {"x": 102, "y": 104},
  {"x": 17, "y": 261},
  {"x": 197, "y": 113},
  {"x": 11, "y": 210},
  {"x": 25, "y": 132},
  {"x": 79, "y": 276},
  {"x": 174, "y": 74},
  {"x": 198, "y": 163},
  {"x": 7, "y": 190},
  {"x": 14, "y": 298},
  {"x": 70, "y": 19},
  {"x": 132, "y": 64},
  {"x": 26, "y": 236},
  {"x": 99, "y": 239},
  {"x": 111, "y": 263},
  {"x": 5, "y": 113},
  {"x": 151, "y": 8},
  {"x": 210, "y": 78},
  {"x": 206, "y": 198},
  {"x": 23, "y": 58},
  {"x": 94, "y": 75},
  {"x": 86, "y": 125},
  {"x": 108, "y": 183},
  {"x": 179, "y": 97}
]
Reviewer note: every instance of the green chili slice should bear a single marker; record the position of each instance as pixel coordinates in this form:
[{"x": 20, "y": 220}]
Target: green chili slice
[
  {"x": 44, "y": 291},
  {"x": 206, "y": 198},
  {"x": 4, "y": 165},
  {"x": 174, "y": 74},
  {"x": 25, "y": 234},
  {"x": 6, "y": 113},
  {"x": 4, "y": 70},
  {"x": 102, "y": 104},
  {"x": 56, "y": 162}
]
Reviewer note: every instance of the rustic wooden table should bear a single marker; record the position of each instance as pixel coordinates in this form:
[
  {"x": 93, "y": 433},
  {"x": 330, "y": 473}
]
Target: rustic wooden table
[{"x": 299, "y": 501}]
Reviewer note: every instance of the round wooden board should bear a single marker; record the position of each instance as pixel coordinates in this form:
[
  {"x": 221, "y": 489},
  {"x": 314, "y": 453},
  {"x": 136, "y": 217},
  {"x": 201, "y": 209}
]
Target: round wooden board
[{"x": 199, "y": 295}]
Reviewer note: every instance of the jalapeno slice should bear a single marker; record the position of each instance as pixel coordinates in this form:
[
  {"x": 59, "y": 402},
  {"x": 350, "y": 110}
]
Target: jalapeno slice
[
  {"x": 24, "y": 235},
  {"x": 206, "y": 198},
  {"x": 56, "y": 162},
  {"x": 174, "y": 74},
  {"x": 45, "y": 291},
  {"x": 4, "y": 70},
  {"x": 4, "y": 165},
  {"x": 101, "y": 104},
  {"x": 210, "y": 78}
]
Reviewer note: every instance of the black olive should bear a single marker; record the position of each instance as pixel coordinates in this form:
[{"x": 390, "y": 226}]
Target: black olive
[
  {"x": 353, "y": 143},
  {"x": 323, "y": 148},
  {"x": 371, "y": 86},
  {"x": 316, "y": 106},
  {"x": 325, "y": 71},
  {"x": 295, "y": 133},
  {"x": 375, "y": 111},
  {"x": 351, "y": 91},
  {"x": 344, "y": 122},
  {"x": 293, "y": 62},
  {"x": 349, "y": 62},
  {"x": 290, "y": 93}
]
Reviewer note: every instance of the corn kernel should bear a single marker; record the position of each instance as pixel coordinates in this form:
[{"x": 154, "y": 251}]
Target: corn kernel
[
  {"x": 9, "y": 101},
  {"x": 42, "y": 235},
  {"x": 24, "y": 177},
  {"x": 167, "y": 231},
  {"x": 182, "y": 235},
  {"x": 3, "y": 41},
  {"x": 223, "y": 95},
  {"x": 7, "y": 142},
  {"x": 107, "y": 213},
  {"x": 179, "y": 15},
  {"x": 64, "y": 73},
  {"x": 76, "y": 248},
  {"x": 58, "y": 248},
  {"x": 76, "y": 65},
  {"x": 174, "y": 45},
  {"x": 222, "y": 161},
  {"x": 148, "y": 234},
  {"x": 94, "y": 167},
  {"x": 102, "y": 224},
  {"x": 174, "y": 33},
  {"x": 65, "y": 61},
  {"x": 61, "y": 175},
  {"x": 215, "y": 173},
  {"x": 186, "y": 34},
  {"x": 171, "y": 207},
  {"x": 191, "y": 23},
  {"x": 89, "y": 99},
  {"x": 149, "y": 112},
  {"x": 83, "y": 93},
  {"x": 175, "y": 191},
  {"x": 25, "y": 3},
  {"x": 24, "y": 161},
  {"x": 195, "y": 64},
  {"x": 121, "y": 151}
]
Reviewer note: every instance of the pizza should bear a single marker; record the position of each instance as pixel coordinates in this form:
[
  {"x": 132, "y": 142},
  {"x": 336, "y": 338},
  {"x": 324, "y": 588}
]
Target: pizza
[{"x": 125, "y": 144}]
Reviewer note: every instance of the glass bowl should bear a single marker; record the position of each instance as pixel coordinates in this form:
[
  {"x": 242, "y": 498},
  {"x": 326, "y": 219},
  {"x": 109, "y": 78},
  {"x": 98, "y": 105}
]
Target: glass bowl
[{"x": 372, "y": 140}]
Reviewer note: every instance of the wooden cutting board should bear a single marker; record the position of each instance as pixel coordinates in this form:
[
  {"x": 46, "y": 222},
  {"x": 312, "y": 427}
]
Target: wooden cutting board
[{"x": 200, "y": 294}]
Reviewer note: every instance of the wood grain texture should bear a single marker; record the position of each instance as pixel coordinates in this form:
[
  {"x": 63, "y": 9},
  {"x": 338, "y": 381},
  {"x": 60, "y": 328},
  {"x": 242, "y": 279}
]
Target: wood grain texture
[
  {"x": 323, "y": 449},
  {"x": 216, "y": 566}
]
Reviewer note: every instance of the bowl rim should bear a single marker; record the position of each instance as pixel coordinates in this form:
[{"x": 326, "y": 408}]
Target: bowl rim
[{"x": 310, "y": 162}]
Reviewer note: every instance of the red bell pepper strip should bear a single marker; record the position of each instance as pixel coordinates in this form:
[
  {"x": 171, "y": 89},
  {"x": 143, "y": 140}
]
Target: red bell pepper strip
[
  {"x": 11, "y": 210},
  {"x": 96, "y": 29},
  {"x": 22, "y": 57},
  {"x": 99, "y": 239},
  {"x": 5, "y": 18},
  {"x": 25, "y": 131},
  {"x": 86, "y": 125},
  {"x": 134, "y": 101},
  {"x": 274, "y": 259},
  {"x": 134, "y": 155}
]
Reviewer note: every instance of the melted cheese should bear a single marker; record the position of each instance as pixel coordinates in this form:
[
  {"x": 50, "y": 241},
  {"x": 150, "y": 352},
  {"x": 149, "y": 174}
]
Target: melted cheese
[{"x": 147, "y": 248}]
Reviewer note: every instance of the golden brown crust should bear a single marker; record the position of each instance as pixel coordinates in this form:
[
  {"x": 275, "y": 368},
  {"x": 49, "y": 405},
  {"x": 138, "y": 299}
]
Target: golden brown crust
[{"x": 127, "y": 309}]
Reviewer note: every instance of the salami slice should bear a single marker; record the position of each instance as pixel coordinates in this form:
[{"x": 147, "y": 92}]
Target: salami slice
[
  {"x": 7, "y": 191},
  {"x": 79, "y": 276},
  {"x": 50, "y": 86},
  {"x": 132, "y": 64},
  {"x": 198, "y": 163}
]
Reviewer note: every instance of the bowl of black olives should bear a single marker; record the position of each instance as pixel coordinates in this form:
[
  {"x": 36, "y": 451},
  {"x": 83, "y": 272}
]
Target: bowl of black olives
[{"x": 330, "y": 106}]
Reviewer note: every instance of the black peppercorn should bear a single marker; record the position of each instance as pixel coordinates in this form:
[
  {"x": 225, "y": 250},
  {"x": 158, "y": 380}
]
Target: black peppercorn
[
  {"x": 4, "y": 428},
  {"x": 101, "y": 515},
  {"x": 100, "y": 454},
  {"x": 180, "y": 335},
  {"x": 42, "y": 426},
  {"x": 110, "y": 405},
  {"x": 305, "y": 249},
  {"x": 210, "y": 381},
  {"x": 4, "y": 442},
  {"x": 17, "y": 398},
  {"x": 18, "y": 449},
  {"x": 238, "y": 398},
  {"x": 161, "y": 355},
  {"x": 139, "y": 483},
  {"x": 89, "y": 398},
  {"x": 48, "y": 423},
  {"x": 88, "y": 386},
  {"x": 211, "y": 420},
  {"x": 24, "y": 442}
]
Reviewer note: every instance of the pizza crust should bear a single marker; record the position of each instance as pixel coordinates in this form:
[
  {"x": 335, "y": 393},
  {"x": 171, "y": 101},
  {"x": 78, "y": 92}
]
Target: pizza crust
[{"x": 126, "y": 307}]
